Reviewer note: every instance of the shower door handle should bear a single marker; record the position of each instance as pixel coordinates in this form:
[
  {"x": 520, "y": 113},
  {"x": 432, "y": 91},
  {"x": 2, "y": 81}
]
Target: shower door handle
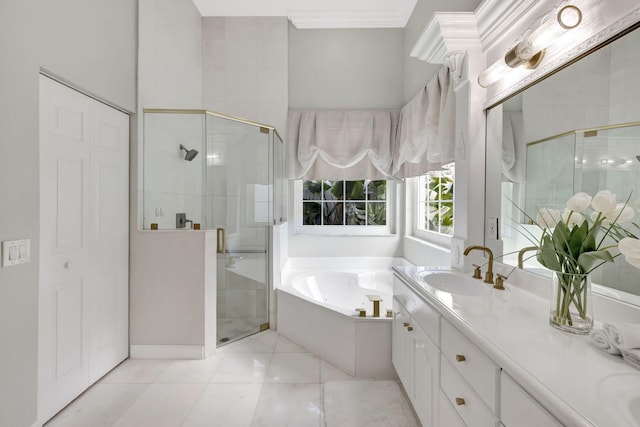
[{"x": 221, "y": 240}]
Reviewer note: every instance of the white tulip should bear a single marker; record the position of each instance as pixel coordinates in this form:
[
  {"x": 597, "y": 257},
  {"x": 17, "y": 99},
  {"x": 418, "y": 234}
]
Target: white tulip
[
  {"x": 630, "y": 247},
  {"x": 579, "y": 202},
  {"x": 572, "y": 218},
  {"x": 548, "y": 218},
  {"x": 623, "y": 213},
  {"x": 604, "y": 201}
]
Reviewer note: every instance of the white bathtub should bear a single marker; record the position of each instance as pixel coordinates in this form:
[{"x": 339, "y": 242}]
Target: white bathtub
[
  {"x": 344, "y": 291},
  {"x": 316, "y": 309}
]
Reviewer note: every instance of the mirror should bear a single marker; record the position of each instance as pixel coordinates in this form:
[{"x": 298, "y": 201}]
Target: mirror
[{"x": 577, "y": 130}]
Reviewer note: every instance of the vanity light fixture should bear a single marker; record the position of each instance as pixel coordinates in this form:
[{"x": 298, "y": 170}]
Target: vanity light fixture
[{"x": 529, "y": 52}]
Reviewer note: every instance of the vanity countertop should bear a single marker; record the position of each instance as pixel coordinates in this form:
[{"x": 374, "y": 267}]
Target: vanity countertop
[{"x": 578, "y": 383}]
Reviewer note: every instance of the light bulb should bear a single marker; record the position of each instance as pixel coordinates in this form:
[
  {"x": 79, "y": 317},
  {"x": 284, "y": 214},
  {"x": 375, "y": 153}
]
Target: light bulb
[{"x": 492, "y": 74}]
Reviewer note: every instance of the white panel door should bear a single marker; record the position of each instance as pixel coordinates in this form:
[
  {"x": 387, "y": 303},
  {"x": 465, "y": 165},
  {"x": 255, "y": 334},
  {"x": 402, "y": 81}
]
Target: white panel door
[
  {"x": 108, "y": 239},
  {"x": 83, "y": 225}
]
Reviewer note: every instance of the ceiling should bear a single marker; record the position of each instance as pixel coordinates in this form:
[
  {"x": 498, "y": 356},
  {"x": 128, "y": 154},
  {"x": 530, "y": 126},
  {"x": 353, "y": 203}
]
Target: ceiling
[{"x": 318, "y": 13}]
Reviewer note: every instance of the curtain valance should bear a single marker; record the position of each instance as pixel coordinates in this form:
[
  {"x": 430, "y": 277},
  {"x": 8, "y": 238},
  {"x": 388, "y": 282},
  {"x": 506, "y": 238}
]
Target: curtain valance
[
  {"x": 353, "y": 145},
  {"x": 426, "y": 129},
  {"x": 340, "y": 145}
]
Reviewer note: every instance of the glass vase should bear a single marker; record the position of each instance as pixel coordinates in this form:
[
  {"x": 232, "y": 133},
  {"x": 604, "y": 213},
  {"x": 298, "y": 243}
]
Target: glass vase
[{"x": 571, "y": 302}]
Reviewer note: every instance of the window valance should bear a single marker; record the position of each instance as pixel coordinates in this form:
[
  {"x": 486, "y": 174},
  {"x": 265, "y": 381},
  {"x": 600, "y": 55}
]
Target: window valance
[
  {"x": 426, "y": 129},
  {"x": 353, "y": 145},
  {"x": 340, "y": 145}
]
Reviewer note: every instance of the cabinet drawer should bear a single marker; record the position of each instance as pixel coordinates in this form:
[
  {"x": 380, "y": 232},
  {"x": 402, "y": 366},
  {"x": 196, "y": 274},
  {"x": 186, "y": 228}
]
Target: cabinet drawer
[
  {"x": 465, "y": 401},
  {"x": 521, "y": 410},
  {"x": 447, "y": 414},
  {"x": 425, "y": 315},
  {"x": 471, "y": 363}
]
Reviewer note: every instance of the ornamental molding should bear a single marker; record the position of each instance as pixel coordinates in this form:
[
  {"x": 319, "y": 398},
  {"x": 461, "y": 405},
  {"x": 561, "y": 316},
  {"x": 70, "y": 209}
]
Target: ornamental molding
[{"x": 448, "y": 32}]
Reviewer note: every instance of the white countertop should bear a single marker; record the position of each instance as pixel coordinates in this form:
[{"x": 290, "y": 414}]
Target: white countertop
[{"x": 578, "y": 383}]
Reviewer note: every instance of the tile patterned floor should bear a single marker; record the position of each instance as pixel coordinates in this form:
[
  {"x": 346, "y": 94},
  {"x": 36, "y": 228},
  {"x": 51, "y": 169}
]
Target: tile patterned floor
[{"x": 264, "y": 380}]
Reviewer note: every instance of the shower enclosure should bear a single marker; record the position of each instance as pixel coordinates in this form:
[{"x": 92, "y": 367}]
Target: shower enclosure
[{"x": 221, "y": 174}]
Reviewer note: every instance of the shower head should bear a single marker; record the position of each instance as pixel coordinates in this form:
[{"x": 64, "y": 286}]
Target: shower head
[{"x": 190, "y": 154}]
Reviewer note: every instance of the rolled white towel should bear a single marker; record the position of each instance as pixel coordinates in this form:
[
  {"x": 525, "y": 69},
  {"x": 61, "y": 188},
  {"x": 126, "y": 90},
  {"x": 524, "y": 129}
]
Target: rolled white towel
[
  {"x": 602, "y": 340},
  {"x": 623, "y": 335},
  {"x": 632, "y": 357}
]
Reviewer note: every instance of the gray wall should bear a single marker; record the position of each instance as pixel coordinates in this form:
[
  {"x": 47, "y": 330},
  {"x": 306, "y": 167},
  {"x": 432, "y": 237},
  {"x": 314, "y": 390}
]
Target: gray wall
[
  {"x": 92, "y": 45},
  {"x": 345, "y": 69},
  {"x": 244, "y": 62},
  {"x": 167, "y": 268}
]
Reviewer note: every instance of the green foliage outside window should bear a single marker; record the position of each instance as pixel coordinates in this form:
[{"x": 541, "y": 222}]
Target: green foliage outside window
[
  {"x": 360, "y": 202},
  {"x": 438, "y": 214}
]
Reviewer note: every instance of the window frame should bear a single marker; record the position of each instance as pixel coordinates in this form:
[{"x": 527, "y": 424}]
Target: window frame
[
  {"x": 345, "y": 230},
  {"x": 415, "y": 196}
]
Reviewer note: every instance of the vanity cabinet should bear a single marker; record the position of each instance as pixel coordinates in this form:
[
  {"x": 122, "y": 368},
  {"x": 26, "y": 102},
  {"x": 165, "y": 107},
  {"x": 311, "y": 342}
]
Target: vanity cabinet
[
  {"x": 450, "y": 381},
  {"x": 417, "y": 361},
  {"x": 470, "y": 373},
  {"x": 521, "y": 410},
  {"x": 468, "y": 378}
]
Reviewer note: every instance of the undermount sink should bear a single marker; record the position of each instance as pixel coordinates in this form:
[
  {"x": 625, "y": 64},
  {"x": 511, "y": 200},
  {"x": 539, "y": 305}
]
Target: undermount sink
[{"x": 452, "y": 282}]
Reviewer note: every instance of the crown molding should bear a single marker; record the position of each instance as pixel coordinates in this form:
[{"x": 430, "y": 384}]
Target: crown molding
[
  {"x": 317, "y": 14},
  {"x": 446, "y": 33},
  {"x": 497, "y": 17},
  {"x": 356, "y": 18}
]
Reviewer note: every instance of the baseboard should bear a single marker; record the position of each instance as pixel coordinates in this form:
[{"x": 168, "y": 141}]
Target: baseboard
[{"x": 166, "y": 352}]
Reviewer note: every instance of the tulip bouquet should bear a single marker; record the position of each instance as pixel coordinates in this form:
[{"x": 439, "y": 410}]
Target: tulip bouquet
[{"x": 575, "y": 242}]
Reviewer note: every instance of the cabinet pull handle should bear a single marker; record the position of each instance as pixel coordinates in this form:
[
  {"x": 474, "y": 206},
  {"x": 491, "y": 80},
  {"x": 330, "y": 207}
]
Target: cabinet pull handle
[
  {"x": 409, "y": 328},
  {"x": 460, "y": 358},
  {"x": 459, "y": 401},
  {"x": 405, "y": 324}
]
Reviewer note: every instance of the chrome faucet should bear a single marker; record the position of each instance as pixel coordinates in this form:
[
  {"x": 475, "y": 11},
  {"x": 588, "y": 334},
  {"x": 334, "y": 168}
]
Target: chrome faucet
[
  {"x": 488, "y": 278},
  {"x": 521, "y": 255}
]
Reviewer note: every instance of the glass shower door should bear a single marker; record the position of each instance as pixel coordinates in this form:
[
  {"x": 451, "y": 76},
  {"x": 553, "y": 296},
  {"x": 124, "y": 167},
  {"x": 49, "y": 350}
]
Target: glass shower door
[{"x": 240, "y": 208}]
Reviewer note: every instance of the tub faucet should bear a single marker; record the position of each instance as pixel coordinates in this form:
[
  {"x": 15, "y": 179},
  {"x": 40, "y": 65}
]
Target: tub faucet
[
  {"x": 376, "y": 304},
  {"x": 521, "y": 255},
  {"x": 488, "y": 278}
]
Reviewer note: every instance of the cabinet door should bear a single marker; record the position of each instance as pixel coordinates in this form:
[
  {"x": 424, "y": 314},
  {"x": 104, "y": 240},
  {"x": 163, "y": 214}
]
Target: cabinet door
[
  {"x": 400, "y": 347},
  {"x": 520, "y": 409},
  {"x": 426, "y": 380}
]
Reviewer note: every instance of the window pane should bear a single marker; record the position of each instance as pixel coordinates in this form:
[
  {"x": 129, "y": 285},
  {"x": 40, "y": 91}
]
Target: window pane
[
  {"x": 311, "y": 213},
  {"x": 311, "y": 190},
  {"x": 334, "y": 190},
  {"x": 333, "y": 213},
  {"x": 356, "y": 213},
  {"x": 436, "y": 201},
  {"x": 354, "y": 190},
  {"x": 377, "y": 213},
  {"x": 376, "y": 190},
  {"x": 361, "y": 202}
]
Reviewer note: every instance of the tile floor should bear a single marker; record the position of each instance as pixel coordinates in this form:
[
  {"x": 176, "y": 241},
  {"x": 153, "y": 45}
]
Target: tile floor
[{"x": 263, "y": 380}]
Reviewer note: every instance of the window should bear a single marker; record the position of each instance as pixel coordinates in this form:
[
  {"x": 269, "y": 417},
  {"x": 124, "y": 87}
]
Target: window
[
  {"x": 435, "y": 201},
  {"x": 343, "y": 207}
]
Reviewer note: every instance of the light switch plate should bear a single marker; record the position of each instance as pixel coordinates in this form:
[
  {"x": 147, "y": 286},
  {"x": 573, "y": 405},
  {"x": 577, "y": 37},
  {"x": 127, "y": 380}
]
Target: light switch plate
[
  {"x": 16, "y": 252},
  {"x": 493, "y": 228}
]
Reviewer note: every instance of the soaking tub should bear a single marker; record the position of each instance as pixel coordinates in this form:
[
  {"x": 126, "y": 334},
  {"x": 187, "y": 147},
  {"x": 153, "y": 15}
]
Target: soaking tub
[{"x": 317, "y": 309}]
